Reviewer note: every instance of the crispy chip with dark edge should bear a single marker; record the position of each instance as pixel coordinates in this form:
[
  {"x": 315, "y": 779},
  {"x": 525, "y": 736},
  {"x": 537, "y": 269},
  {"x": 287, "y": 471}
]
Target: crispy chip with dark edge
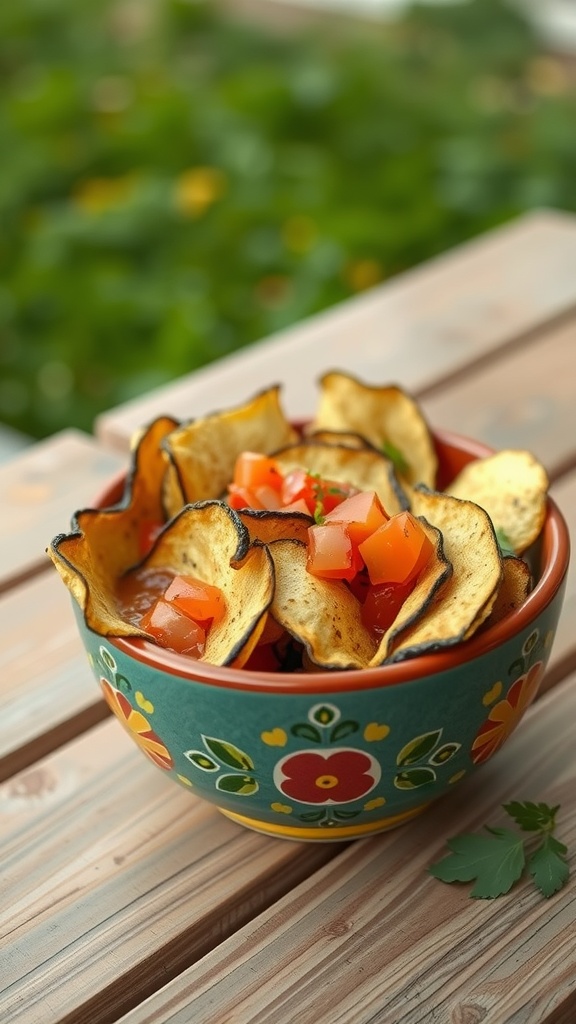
[
  {"x": 209, "y": 541},
  {"x": 431, "y": 579},
  {"x": 266, "y": 526},
  {"x": 323, "y": 615},
  {"x": 467, "y": 597},
  {"x": 341, "y": 438},
  {"x": 103, "y": 543},
  {"x": 387, "y": 416},
  {"x": 512, "y": 486},
  {"x": 203, "y": 451},
  {"x": 367, "y": 470},
  {"x": 514, "y": 589}
]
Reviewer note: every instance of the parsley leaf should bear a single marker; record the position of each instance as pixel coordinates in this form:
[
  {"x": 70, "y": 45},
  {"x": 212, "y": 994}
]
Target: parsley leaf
[
  {"x": 395, "y": 455},
  {"x": 548, "y": 866},
  {"x": 504, "y": 543},
  {"x": 496, "y": 858},
  {"x": 495, "y": 861},
  {"x": 532, "y": 817}
]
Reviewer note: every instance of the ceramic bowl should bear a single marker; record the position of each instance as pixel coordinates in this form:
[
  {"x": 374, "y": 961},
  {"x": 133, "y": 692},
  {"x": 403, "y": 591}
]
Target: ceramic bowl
[{"x": 338, "y": 755}]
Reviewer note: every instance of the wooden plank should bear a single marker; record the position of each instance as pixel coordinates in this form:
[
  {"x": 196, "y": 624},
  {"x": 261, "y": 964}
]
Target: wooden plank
[
  {"x": 47, "y": 691},
  {"x": 416, "y": 329},
  {"x": 373, "y": 937},
  {"x": 115, "y": 879},
  {"x": 38, "y": 492},
  {"x": 524, "y": 399}
]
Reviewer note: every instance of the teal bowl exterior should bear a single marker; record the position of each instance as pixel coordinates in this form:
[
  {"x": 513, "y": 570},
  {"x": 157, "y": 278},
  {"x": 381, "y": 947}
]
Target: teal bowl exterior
[
  {"x": 323, "y": 764},
  {"x": 337, "y": 755}
]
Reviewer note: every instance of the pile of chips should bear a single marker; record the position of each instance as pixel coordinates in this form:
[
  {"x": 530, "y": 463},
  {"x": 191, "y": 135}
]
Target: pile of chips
[{"x": 373, "y": 438}]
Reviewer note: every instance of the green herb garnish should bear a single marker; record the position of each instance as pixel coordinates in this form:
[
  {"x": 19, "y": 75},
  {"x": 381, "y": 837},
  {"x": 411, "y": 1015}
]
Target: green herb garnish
[
  {"x": 320, "y": 493},
  {"x": 395, "y": 455},
  {"x": 504, "y": 542},
  {"x": 497, "y": 860}
]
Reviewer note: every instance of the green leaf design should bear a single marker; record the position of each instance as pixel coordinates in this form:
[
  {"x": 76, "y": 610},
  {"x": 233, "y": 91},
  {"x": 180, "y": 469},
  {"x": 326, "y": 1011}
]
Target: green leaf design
[
  {"x": 312, "y": 816},
  {"x": 306, "y": 731},
  {"x": 413, "y": 778},
  {"x": 444, "y": 753},
  {"x": 418, "y": 748},
  {"x": 107, "y": 659},
  {"x": 122, "y": 683},
  {"x": 343, "y": 729},
  {"x": 345, "y": 815},
  {"x": 202, "y": 761},
  {"x": 227, "y": 753},
  {"x": 240, "y": 785},
  {"x": 324, "y": 715},
  {"x": 516, "y": 668},
  {"x": 495, "y": 861},
  {"x": 548, "y": 866}
]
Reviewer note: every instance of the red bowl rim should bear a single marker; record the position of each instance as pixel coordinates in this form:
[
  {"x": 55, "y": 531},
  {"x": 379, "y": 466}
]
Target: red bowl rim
[{"x": 555, "y": 553}]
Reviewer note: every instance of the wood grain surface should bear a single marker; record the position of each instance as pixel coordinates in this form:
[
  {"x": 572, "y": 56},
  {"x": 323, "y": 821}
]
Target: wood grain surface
[
  {"x": 523, "y": 399},
  {"x": 414, "y": 330},
  {"x": 39, "y": 491},
  {"x": 374, "y": 939},
  {"x": 114, "y": 879},
  {"x": 48, "y": 693},
  {"x": 124, "y": 897}
]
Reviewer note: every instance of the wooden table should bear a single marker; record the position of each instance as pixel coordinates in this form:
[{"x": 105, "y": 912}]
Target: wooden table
[{"x": 124, "y": 898}]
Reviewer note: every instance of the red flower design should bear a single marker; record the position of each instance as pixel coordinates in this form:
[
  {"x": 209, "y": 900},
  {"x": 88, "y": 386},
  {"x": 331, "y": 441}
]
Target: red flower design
[
  {"x": 138, "y": 726},
  {"x": 505, "y": 715},
  {"x": 334, "y": 777}
]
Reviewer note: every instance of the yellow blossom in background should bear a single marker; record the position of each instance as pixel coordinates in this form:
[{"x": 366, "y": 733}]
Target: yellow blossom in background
[
  {"x": 197, "y": 189},
  {"x": 548, "y": 76},
  {"x": 299, "y": 233},
  {"x": 362, "y": 274},
  {"x": 96, "y": 195}
]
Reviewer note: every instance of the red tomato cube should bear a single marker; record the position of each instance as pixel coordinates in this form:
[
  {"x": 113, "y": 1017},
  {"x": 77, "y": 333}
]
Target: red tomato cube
[
  {"x": 331, "y": 553},
  {"x": 198, "y": 600},
  {"x": 362, "y": 512},
  {"x": 255, "y": 470},
  {"x": 397, "y": 551},
  {"x": 171, "y": 628}
]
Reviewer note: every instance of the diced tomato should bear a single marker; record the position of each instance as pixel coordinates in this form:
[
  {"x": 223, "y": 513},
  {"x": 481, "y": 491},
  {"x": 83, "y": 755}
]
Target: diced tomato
[
  {"x": 173, "y": 629},
  {"x": 297, "y": 485},
  {"x": 297, "y": 506},
  {"x": 198, "y": 600},
  {"x": 241, "y": 497},
  {"x": 382, "y": 604},
  {"x": 332, "y": 494},
  {"x": 321, "y": 496},
  {"x": 331, "y": 553},
  {"x": 268, "y": 497},
  {"x": 254, "y": 470},
  {"x": 363, "y": 514},
  {"x": 397, "y": 551},
  {"x": 147, "y": 532}
]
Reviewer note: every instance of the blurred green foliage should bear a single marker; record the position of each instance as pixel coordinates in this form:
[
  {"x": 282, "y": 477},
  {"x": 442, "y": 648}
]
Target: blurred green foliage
[{"x": 174, "y": 185}]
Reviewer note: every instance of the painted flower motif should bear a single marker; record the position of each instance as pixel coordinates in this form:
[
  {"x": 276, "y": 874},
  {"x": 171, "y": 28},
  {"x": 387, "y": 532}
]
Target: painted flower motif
[
  {"x": 327, "y": 777},
  {"x": 505, "y": 715},
  {"x": 138, "y": 726}
]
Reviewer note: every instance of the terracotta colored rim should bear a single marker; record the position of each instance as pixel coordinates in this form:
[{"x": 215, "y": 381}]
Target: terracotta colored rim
[{"x": 555, "y": 554}]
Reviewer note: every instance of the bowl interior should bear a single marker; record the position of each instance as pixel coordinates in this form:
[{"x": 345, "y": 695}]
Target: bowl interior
[{"x": 548, "y": 559}]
